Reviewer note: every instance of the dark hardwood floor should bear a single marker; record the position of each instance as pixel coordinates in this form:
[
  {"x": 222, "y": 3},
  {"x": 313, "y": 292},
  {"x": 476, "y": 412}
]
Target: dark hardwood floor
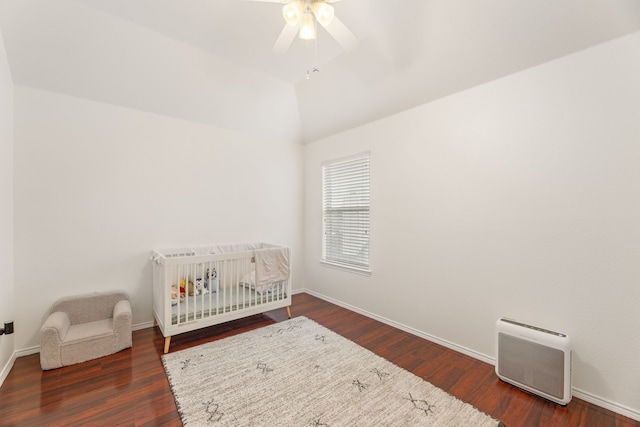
[{"x": 130, "y": 388}]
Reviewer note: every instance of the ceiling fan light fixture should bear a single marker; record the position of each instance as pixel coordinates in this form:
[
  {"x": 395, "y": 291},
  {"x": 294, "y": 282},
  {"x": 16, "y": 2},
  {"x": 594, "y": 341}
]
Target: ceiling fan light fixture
[
  {"x": 324, "y": 13},
  {"x": 307, "y": 27},
  {"x": 292, "y": 12}
]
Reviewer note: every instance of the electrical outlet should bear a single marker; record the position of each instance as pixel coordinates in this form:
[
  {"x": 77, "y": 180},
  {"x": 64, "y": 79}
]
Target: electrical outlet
[{"x": 8, "y": 328}]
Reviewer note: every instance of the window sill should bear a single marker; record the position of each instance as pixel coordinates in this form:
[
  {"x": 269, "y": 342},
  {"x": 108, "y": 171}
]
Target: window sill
[{"x": 348, "y": 268}]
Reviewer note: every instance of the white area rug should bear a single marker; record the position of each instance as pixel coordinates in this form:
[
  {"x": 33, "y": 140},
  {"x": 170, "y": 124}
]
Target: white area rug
[{"x": 298, "y": 373}]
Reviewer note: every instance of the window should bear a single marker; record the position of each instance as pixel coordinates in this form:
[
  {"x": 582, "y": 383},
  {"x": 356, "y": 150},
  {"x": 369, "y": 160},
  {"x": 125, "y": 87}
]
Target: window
[{"x": 345, "y": 212}]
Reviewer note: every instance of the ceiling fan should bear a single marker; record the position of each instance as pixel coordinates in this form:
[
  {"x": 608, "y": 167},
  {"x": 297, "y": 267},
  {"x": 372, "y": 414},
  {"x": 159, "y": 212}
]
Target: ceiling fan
[{"x": 300, "y": 18}]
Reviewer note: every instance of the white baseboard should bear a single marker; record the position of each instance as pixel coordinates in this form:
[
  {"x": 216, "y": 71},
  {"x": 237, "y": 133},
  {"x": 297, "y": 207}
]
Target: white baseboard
[
  {"x": 12, "y": 360},
  {"x": 143, "y": 325},
  {"x": 7, "y": 368},
  {"x": 27, "y": 351},
  {"x": 580, "y": 394},
  {"x": 413, "y": 331},
  {"x": 606, "y": 404}
]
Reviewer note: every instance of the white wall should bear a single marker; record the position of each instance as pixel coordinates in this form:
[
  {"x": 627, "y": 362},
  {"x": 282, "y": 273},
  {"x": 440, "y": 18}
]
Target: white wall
[
  {"x": 518, "y": 198},
  {"x": 98, "y": 186},
  {"x": 6, "y": 209}
]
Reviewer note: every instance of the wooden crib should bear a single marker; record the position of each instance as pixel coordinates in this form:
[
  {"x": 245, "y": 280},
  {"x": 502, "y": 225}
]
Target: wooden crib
[{"x": 195, "y": 288}]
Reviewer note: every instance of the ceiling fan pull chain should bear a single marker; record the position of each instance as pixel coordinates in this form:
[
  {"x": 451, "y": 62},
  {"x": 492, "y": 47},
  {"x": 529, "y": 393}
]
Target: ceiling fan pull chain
[
  {"x": 315, "y": 55},
  {"x": 310, "y": 67}
]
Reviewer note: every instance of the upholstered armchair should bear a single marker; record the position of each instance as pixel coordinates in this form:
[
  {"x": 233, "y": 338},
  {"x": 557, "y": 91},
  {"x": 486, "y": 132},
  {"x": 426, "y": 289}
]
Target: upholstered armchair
[{"x": 85, "y": 327}]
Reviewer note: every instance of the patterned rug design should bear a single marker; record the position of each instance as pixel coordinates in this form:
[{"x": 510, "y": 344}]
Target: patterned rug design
[{"x": 298, "y": 373}]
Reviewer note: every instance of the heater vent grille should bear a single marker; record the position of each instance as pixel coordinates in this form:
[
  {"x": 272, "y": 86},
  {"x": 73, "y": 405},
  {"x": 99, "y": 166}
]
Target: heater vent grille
[
  {"x": 534, "y": 359},
  {"x": 532, "y": 364}
]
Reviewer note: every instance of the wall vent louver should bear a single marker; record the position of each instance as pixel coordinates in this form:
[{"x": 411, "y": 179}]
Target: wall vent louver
[{"x": 534, "y": 359}]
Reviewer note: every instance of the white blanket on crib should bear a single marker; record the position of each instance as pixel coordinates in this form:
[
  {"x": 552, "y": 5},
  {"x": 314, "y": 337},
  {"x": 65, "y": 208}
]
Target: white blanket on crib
[{"x": 272, "y": 265}]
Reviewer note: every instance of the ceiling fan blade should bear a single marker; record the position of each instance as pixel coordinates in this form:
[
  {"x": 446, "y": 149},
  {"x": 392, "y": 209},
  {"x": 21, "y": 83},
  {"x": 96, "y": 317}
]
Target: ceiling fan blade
[
  {"x": 286, "y": 38},
  {"x": 342, "y": 34}
]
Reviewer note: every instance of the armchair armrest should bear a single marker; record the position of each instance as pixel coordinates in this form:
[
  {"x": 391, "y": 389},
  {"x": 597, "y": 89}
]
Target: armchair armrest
[
  {"x": 55, "y": 328},
  {"x": 122, "y": 310},
  {"x": 52, "y": 334},
  {"x": 122, "y": 324}
]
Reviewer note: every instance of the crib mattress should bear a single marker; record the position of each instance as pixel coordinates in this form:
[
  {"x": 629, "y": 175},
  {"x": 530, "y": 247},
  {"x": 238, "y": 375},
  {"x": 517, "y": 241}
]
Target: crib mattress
[{"x": 224, "y": 301}]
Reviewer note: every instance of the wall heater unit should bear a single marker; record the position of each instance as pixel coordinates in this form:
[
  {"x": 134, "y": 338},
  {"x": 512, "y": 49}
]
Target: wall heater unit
[{"x": 534, "y": 359}]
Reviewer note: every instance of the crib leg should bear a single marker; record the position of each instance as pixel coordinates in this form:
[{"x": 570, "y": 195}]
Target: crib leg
[
  {"x": 288, "y": 311},
  {"x": 167, "y": 342}
]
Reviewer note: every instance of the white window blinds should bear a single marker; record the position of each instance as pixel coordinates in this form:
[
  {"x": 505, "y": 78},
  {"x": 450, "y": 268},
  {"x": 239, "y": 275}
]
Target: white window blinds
[{"x": 345, "y": 205}]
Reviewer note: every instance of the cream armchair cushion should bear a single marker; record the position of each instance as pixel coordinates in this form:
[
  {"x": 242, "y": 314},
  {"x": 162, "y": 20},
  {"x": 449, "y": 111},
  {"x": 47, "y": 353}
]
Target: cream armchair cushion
[{"x": 85, "y": 327}]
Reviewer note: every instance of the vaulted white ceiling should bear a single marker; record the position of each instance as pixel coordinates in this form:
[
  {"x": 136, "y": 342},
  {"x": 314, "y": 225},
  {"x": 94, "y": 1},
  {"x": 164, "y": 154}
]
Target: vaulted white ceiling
[{"x": 210, "y": 61}]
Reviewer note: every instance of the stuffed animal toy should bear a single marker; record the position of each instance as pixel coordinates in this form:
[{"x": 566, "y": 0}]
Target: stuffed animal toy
[
  {"x": 187, "y": 287},
  {"x": 183, "y": 290},
  {"x": 200, "y": 289},
  {"x": 174, "y": 295},
  {"x": 210, "y": 282},
  {"x": 192, "y": 289}
]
